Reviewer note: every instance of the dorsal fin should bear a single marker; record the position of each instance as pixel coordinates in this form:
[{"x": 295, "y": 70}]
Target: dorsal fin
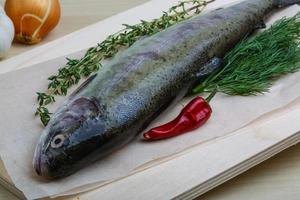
[
  {"x": 284, "y": 3},
  {"x": 83, "y": 85}
]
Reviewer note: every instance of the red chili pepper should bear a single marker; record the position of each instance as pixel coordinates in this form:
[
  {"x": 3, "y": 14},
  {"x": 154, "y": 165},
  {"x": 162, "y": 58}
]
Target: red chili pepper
[{"x": 192, "y": 116}]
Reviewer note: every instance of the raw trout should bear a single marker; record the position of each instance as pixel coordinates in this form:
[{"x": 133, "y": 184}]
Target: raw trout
[{"x": 113, "y": 106}]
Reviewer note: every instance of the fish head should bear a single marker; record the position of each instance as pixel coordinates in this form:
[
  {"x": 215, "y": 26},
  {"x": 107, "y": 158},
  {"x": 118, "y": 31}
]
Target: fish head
[{"x": 68, "y": 138}]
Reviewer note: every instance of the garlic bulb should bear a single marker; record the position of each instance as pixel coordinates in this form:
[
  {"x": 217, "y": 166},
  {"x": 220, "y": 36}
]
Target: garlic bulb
[
  {"x": 33, "y": 19},
  {"x": 6, "y": 33}
]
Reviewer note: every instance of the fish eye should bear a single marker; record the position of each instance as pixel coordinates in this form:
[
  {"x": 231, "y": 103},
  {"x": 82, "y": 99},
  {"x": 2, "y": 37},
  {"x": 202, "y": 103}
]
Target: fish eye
[{"x": 58, "y": 141}]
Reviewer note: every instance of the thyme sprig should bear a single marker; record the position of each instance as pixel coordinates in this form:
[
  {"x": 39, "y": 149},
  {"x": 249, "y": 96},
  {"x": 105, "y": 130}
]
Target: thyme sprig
[
  {"x": 76, "y": 69},
  {"x": 255, "y": 63}
]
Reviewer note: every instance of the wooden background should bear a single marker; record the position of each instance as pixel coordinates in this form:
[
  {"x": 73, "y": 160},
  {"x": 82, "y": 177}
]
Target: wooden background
[{"x": 277, "y": 178}]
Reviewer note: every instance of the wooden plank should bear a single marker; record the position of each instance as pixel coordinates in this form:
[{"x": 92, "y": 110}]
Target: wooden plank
[
  {"x": 5, "y": 194},
  {"x": 6, "y": 182},
  {"x": 276, "y": 178}
]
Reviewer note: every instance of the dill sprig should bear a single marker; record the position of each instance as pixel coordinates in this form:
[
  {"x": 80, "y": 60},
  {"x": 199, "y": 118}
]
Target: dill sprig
[
  {"x": 255, "y": 63},
  {"x": 76, "y": 69}
]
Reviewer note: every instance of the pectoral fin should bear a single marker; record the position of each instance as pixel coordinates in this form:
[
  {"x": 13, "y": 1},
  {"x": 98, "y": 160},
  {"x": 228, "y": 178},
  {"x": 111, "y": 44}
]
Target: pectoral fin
[
  {"x": 210, "y": 67},
  {"x": 260, "y": 25}
]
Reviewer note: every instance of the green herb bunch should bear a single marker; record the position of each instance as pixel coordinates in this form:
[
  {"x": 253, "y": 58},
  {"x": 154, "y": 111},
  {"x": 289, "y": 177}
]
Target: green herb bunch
[
  {"x": 255, "y": 63},
  {"x": 76, "y": 69}
]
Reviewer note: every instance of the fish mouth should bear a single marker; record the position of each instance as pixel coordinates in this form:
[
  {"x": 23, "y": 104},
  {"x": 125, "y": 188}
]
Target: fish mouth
[{"x": 39, "y": 163}]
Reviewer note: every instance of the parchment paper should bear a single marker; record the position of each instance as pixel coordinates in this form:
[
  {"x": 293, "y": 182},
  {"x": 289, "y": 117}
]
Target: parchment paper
[{"x": 20, "y": 130}]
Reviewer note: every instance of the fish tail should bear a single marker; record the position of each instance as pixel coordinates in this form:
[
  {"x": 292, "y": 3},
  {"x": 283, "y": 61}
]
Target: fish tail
[{"x": 284, "y": 3}]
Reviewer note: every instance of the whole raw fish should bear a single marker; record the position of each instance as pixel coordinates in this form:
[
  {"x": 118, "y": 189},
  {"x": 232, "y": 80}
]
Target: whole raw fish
[{"x": 112, "y": 107}]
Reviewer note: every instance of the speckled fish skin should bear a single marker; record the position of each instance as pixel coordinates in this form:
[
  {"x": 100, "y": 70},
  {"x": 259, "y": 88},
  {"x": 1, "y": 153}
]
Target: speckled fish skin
[{"x": 112, "y": 107}]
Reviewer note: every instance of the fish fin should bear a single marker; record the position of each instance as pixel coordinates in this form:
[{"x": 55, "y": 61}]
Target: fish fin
[
  {"x": 219, "y": 9},
  {"x": 210, "y": 67},
  {"x": 84, "y": 107},
  {"x": 284, "y": 3},
  {"x": 261, "y": 25},
  {"x": 83, "y": 85}
]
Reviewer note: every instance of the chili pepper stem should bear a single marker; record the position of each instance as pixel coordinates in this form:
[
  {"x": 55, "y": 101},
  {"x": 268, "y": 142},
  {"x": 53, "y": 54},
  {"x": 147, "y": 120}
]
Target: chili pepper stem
[
  {"x": 212, "y": 94},
  {"x": 198, "y": 89}
]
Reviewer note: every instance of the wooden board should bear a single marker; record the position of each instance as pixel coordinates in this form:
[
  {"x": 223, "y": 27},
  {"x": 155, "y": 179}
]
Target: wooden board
[
  {"x": 94, "y": 195},
  {"x": 277, "y": 178}
]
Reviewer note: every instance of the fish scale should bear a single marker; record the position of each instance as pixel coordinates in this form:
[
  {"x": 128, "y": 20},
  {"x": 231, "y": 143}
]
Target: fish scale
[{"x": 139, "y": 83}]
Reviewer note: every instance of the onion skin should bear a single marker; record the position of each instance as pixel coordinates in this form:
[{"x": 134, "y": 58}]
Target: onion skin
[{"x": 33, "y": 19}]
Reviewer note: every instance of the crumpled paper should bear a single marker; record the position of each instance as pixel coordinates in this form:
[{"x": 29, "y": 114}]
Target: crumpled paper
[{"x": 20, "y": 130}]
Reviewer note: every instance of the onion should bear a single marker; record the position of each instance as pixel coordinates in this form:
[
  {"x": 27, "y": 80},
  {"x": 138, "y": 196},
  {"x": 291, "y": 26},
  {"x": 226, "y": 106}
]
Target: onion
[{"x": 33, "y": 19}]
